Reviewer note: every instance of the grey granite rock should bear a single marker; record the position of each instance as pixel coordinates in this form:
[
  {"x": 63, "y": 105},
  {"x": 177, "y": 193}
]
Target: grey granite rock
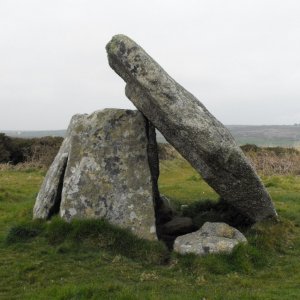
[
  {"x": 48, "y": 199},
  {"x": 210, "y": 238},
  {"x": 186, "y": 124},
  {"x": 108, "y": 172}
]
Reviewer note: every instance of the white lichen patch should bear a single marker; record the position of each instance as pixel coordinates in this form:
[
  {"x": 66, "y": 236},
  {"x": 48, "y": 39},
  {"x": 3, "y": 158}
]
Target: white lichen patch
[
  {"x": 132, "y": 216},
  {"x": 153, "y": 229}
]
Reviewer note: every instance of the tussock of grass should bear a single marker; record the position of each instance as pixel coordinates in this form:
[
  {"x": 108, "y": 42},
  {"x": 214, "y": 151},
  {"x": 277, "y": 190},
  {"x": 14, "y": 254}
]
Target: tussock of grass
[
  {"x": 270, "y": 236},
  {"x": 90, "y": 235},
  {"x": 24, "y": 231},
  {"x": 92, "y": 292},
  {"x": 95, "y": 235},
  {"x": 266, "y": 240},
  {"x": 245, "y": 259}
]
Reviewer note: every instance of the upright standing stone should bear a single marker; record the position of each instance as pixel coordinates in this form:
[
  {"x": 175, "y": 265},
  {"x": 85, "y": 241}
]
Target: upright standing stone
[
  {"x": 48, "y": 199},
  {"x": 108, "y": 172},
  {"x": 186, "y": 124}
]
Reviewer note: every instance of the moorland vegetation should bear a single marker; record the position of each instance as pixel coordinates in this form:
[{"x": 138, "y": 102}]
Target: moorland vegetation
[{"x": 90, "y": 259}]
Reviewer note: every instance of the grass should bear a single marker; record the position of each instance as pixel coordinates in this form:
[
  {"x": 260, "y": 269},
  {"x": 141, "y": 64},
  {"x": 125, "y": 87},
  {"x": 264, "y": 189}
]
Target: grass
[
  {"x": 18, "y": 190},
  {"x": 180, "y": 182},
  {"x": 94, "y": 260}
]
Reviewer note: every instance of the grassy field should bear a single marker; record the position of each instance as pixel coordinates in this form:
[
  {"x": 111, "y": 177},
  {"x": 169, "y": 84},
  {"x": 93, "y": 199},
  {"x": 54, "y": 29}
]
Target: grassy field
[{"x": 92, "y": 260}]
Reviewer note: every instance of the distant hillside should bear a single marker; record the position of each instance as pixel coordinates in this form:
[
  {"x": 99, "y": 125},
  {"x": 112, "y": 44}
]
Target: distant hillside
[
  {"x": 33, "y": 134},
  {"x": 267, "y": 135}
]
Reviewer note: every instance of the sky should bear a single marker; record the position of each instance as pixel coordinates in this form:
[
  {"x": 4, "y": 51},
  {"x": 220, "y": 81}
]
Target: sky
[{"x": 240, "y": 58}]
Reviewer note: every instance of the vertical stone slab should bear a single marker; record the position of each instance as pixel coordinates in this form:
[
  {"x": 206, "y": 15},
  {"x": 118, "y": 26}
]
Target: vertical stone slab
[
  {"x": 186, "y": 124},
  {"x": 48, "y": 198},
  {"x": 108, "y": 174}
]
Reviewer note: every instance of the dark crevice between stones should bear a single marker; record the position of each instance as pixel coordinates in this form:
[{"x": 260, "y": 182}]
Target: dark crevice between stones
[
  {"x": 221, "y": 211},
  {"x": 153, "y": 160},
  {"x": 168, "y": 224},
  {"x": 54, "y": 210}
]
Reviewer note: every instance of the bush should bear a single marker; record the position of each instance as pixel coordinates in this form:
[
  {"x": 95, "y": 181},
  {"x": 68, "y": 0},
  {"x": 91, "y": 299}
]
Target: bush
[
  {"x": 273, "y": 160},
  {"x": 38, "y": 150},
  {"x": 5, "y": 148}
]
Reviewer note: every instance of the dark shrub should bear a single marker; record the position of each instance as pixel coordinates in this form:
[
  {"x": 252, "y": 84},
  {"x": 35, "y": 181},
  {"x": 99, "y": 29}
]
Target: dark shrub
[{"x": 19, "y": 150}]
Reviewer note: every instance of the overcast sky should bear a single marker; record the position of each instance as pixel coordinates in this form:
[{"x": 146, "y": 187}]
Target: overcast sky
[{"x": 240, "y": 58}]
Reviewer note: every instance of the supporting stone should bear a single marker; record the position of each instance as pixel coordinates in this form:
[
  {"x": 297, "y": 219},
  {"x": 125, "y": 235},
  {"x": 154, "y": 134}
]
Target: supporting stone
[
  {"x": 186, "y": 124},
  {"x": 108, "y": 172},
  {"x": 48, "y": 199}
]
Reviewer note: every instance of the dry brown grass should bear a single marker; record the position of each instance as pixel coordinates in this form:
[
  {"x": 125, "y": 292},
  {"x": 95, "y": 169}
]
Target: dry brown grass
[
  {"x": 26, "y": 166},
  {"x": 266, "y": 161}
]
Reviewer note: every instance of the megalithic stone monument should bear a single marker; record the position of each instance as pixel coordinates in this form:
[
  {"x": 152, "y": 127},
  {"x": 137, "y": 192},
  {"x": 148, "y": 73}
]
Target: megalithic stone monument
[
  {"x": 104, "y": 169},
  {"x": 187, "y": 125}
]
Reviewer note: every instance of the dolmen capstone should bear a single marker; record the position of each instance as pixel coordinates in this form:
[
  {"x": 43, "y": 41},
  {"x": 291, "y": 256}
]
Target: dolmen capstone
[
  {"x": 103, "y": 170},
  {"x": 187, "y": 125}
]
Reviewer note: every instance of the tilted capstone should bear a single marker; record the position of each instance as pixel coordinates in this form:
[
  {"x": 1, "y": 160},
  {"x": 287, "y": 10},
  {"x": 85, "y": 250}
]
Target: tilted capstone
[{"x": 187, "y": 125}]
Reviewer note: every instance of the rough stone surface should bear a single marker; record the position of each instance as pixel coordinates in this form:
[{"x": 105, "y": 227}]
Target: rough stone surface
[
  {"x": 210, "y": 238},
  {"x": 48, "y": 199},
  {"x": 186, "y": 124},
  {"x": 107, "y": 173}
]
